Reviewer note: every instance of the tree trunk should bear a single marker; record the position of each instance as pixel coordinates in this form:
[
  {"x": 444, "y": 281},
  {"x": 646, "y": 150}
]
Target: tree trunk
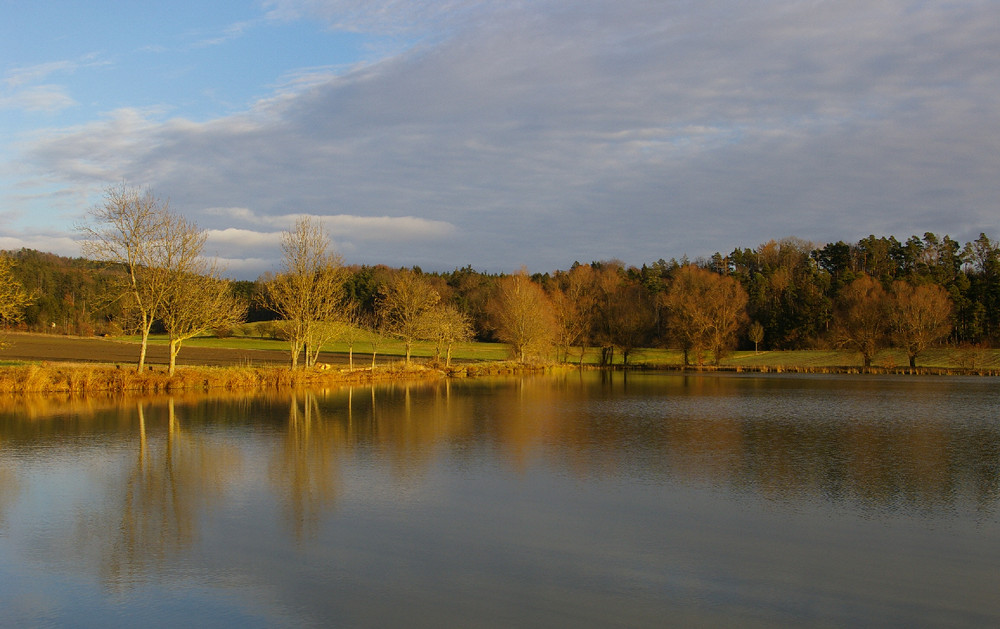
[
  {"x": 146, "y": 325},
  {"x": 296, "y": 350},
  {"x": 142, "y": 354},
  {"x": 913, "y": 360},
  {"x": 173, "y": 348}
]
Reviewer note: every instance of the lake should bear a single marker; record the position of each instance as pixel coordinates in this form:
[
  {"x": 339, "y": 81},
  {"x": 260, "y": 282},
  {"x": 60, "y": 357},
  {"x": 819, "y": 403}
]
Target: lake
[{"x": 573, "y": 500}]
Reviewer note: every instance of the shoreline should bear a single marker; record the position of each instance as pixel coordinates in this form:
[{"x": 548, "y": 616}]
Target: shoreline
[
  {"x": 831, "y": 370},
  {"x": 82, "y": 379},
  {"x": 43, "y": 364}
]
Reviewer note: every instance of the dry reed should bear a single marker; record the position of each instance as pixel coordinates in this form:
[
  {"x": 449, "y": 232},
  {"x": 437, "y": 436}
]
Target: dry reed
[{"x": 86, "y": 378}]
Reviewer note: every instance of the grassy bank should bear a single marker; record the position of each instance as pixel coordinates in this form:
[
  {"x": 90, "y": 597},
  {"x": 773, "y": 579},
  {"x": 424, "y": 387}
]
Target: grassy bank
[
  {"x": 86, "y": 378},
  {"x": 958, "y": 360},
  {"x": 90, "y": 378},
  {"x": 386, "y": 347},
  {"x": 944, "y": 358}
]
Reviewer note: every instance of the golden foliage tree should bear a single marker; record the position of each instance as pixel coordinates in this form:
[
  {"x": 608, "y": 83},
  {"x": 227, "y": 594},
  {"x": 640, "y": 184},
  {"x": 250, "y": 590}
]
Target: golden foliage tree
[
  {"x": 446, "y": 325},
  {"x": 522, "y": 316},
  {"x": 13, "y": 298},
  {"x": 919, "y": 316},
  {"x": 861, "y": 317},
  {"x": 572, "y": 309},
  {"x": 705, "y": 312}
]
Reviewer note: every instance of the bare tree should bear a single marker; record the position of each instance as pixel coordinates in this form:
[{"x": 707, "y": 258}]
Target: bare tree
[
  {"x": 197, "y": 298},
  {"x": 353, "y": 330},
  {"x": 403, "y": 301},
  {"x": 919, "y": 316},
  {"x": 522, "y": 315},
  {"x": 861, "y": 317},
  {"x": 755, "y": 334},
  {"x": 129, "y": 228},
  {"x": 307, "y": 293},
  {"x": 372, "y": 323},
  {"x": 446, "y": 325}
]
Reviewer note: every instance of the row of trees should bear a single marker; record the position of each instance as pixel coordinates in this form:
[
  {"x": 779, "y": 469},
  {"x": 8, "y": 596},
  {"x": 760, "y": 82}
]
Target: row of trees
[
  {"x": 781, "y": 295},
  {"x": 310, "y": 297}
]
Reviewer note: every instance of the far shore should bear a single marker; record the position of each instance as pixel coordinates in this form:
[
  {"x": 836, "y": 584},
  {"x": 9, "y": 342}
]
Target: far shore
[{"x": 41, "y": 363}]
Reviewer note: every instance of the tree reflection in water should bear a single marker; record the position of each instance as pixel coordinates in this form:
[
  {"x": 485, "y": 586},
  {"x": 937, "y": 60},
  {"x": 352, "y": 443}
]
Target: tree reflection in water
[
  {"x": 304, "y": 469},
  {"x": 155, "y": 509},
  {"x": 928, "y": 446}
]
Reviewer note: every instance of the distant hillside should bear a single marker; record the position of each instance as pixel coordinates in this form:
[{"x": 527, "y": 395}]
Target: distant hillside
[{"x": 68, "y": 293}]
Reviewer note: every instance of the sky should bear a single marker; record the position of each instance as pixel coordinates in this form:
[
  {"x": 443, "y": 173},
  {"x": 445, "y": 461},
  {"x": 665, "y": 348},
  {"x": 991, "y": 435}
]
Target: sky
[{"x": 504, "y": 134}]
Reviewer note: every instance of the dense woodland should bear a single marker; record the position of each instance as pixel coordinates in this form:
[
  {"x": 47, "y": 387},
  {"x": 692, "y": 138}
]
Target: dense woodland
[{"x": 787, "y": 294}]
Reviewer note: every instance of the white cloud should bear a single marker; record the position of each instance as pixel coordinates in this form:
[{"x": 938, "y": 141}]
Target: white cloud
[
  {"x": 54, "y": 243},
  {"x": 386, "y": 228},
  {"x": 235, "y": 213},
  {"x": 16, "y": 77},
  {"x": 235, "y": 30},
  {"x": 44, "y": 98},
  {"x": 376, "y": 228},
  {"x": 244, "y": 238},
  {"x": 26, "y": 90}
]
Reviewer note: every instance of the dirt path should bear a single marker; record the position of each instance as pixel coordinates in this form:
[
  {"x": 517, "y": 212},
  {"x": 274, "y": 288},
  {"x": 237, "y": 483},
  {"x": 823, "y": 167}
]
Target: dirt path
[{"x": 82, "y": 349}]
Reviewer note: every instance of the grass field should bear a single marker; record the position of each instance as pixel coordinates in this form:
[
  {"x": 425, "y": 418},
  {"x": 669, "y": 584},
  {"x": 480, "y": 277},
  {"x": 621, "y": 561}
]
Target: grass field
[
  {"x": 246, "y": 350},
  {"x": 943, "y": 358},
  {"x": 386, "y": 347}
]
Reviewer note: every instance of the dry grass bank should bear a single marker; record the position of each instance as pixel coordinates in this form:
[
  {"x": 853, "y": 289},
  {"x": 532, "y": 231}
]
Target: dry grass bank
[{"x": 88, "y": 378}]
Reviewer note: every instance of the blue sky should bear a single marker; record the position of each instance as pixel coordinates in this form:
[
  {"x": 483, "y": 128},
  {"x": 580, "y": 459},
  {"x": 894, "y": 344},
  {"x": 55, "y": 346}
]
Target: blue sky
[{"x": 534, "y": 132}]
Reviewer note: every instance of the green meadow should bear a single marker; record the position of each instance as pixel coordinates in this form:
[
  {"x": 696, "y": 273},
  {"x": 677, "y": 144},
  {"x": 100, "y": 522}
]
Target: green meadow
[{"x": 938, "y": 358}]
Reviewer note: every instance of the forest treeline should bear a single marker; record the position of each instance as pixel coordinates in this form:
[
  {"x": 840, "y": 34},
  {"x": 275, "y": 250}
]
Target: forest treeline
[{"x": 782, "y": 294}]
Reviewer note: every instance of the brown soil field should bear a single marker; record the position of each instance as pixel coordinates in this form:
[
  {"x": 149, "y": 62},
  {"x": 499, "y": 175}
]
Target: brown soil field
[{"x": 53, "y": 348}]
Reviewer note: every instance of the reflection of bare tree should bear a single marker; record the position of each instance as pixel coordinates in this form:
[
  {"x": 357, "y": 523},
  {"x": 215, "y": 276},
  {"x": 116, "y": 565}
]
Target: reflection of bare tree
[
  {"x": 173, "y": 478},
  {"x": 304, "y": 471},
  {"x": 411, "y": 420}
]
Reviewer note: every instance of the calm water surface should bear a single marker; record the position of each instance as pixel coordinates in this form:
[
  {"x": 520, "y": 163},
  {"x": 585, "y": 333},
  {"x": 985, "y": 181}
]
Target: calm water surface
[{"x": 580, "y": 500}]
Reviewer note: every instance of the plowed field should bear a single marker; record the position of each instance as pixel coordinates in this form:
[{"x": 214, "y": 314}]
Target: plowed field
[{"x": 81, "y": 349}]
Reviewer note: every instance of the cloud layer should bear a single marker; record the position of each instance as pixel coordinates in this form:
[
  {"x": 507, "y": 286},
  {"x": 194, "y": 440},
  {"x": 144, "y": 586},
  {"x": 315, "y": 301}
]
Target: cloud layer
[{"x": 552, "y": 131}]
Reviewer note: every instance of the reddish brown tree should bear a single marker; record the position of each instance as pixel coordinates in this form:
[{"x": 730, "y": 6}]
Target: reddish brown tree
[
  {"x": 705, "y": 312},
  {"x": 919, "y": 317},
  {"x": 861, "y": 317}
]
